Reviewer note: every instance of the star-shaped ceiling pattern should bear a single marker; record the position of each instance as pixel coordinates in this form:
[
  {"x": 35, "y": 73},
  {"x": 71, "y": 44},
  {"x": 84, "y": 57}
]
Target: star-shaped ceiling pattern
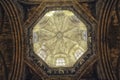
[{"x": 60, "y": 38}]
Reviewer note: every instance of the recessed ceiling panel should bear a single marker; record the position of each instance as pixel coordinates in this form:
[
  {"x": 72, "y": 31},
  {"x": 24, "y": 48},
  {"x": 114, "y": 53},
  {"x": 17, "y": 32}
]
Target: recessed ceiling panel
[{"x": 60, "y": 38}]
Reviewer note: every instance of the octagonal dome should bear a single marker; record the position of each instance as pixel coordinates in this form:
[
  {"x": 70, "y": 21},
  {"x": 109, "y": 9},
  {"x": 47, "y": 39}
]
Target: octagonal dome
[{"x": 60, "y": 38}]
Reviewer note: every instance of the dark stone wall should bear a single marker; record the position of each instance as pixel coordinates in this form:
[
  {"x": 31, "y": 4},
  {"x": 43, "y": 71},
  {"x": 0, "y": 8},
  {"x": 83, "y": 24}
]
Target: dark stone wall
[{"x": 6, "y": 45}]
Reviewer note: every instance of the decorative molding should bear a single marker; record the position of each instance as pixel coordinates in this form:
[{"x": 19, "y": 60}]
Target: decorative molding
[
  {"x": 17, "y": 29},
  {"x": 102, "y": 44}
]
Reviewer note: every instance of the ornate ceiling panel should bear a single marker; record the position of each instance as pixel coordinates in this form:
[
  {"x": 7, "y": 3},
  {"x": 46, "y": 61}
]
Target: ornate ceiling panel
[
  {"x": 60, "y": 41},
  {"x": 60, "y": 38}
]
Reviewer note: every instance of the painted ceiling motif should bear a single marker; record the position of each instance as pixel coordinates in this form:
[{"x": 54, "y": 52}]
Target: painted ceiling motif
[{"x": 60, "y": 38}]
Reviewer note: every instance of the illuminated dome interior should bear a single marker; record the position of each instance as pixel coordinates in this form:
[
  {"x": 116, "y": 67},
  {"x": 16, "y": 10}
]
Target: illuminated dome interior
[{"x": 60, "y": 38}]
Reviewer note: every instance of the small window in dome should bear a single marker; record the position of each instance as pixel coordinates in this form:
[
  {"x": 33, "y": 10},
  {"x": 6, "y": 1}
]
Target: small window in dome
[
  {"x": 78, "y": 54},
  {"x": 35, "y": 37},
  {"x": 60, "y": 62},
  {"x": 84, "y": 35},
  {"x": 42, "y": 54}
]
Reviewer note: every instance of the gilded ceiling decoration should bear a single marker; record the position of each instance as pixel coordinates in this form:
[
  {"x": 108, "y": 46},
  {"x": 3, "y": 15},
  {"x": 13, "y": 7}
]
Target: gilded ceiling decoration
[{"x": 60, "y": 38}]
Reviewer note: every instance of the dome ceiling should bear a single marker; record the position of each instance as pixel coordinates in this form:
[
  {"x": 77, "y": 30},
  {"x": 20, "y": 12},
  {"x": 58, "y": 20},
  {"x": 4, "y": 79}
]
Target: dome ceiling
[{"x": 60, "y": 38}]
